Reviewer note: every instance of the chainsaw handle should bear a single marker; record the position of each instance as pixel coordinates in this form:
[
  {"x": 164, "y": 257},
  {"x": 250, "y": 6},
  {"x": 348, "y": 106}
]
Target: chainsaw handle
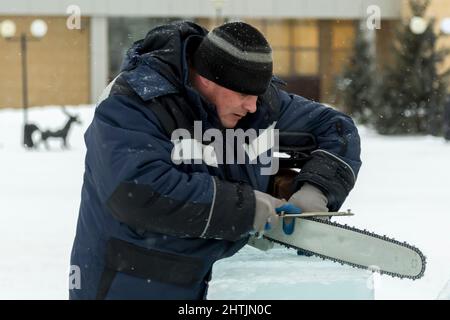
[
  {"x": 288, "y": 208},
  {"x": 285, "y": 210}
]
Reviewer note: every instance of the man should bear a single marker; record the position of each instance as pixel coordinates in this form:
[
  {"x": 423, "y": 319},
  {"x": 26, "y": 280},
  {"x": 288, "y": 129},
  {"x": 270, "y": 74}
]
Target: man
[{"x": 150, "y": 227}]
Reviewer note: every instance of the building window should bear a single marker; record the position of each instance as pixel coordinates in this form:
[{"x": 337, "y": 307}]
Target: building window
[
  {"x": 121, "y": 35},
  {"x": 343, "y": 36},
  {"x": 295, "y": 45},
  {"x": 306, "y": 47}
]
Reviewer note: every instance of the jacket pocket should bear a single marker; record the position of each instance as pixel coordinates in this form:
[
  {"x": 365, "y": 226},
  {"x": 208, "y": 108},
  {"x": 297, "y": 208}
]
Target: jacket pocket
[{"x": 133, "y": 260}]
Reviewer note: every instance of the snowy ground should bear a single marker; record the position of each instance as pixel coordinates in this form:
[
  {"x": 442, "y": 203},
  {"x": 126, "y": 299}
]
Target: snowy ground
[{"x": 402, "y": 191}]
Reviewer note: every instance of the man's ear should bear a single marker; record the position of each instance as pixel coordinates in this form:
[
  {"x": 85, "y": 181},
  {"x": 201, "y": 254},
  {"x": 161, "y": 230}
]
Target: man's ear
[
  {"x": 201, "y": 84},
  {"x": 204, "y": 82}
]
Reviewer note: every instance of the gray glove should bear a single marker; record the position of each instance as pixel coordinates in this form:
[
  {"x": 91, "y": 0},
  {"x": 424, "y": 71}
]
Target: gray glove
[
  {"x": 309, "y": 199},
  {"x": 265, "y": 211}
]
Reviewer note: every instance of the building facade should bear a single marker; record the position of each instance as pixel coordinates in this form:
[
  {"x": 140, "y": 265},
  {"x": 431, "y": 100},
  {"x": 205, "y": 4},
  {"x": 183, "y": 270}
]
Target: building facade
[{"x": 311, "y": 40}]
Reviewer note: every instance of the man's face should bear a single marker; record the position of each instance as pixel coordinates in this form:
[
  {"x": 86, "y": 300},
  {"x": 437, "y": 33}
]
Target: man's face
[{"x": 231, "y": 106}]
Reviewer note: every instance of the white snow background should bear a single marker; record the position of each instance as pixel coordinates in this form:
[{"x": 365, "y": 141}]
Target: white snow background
[{"x": 403, "y": 191}]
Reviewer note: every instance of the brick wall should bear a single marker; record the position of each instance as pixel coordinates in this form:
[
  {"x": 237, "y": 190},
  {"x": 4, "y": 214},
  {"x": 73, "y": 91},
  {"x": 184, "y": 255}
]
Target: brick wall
[{"x": 58, "y": 65}]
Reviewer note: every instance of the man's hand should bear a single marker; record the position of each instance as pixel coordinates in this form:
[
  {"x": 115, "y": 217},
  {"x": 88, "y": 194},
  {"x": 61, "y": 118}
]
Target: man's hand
[
  {"x": 310, "y": 199},
  {"x": 265, "y": 211}
]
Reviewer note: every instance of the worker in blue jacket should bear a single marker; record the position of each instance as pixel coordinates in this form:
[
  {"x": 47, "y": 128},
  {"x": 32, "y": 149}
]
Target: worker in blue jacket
[{"x": 164, "y": 195}]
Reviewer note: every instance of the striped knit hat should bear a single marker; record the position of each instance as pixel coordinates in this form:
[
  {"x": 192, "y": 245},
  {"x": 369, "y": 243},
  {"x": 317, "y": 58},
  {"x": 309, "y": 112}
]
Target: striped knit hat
[{"x": 236, "y": 56}]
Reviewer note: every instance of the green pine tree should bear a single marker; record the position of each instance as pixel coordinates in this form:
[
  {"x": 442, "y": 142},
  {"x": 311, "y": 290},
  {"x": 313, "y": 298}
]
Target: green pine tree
[
  {"x": 412, "y": 94},
  {"x": 356, "y": 84}
]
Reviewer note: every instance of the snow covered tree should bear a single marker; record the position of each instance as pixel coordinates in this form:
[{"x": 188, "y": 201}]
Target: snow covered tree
[
  {"x": 412, "y": 93},
  {"x": 356, "y": 84}
]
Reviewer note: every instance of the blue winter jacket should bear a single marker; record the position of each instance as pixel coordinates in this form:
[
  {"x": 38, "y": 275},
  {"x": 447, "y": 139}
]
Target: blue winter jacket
[{"x": 149, "y": 228}]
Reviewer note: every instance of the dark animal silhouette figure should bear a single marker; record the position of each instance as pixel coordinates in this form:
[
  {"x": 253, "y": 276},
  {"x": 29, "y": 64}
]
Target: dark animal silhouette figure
[
  {"x": 62, "y": 133},
  {"x": 29, "y": 129}
]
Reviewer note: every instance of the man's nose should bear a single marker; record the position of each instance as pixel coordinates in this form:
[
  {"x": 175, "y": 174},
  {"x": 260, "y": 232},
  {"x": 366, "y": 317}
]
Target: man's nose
[{"x": 250, "y": 103}]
